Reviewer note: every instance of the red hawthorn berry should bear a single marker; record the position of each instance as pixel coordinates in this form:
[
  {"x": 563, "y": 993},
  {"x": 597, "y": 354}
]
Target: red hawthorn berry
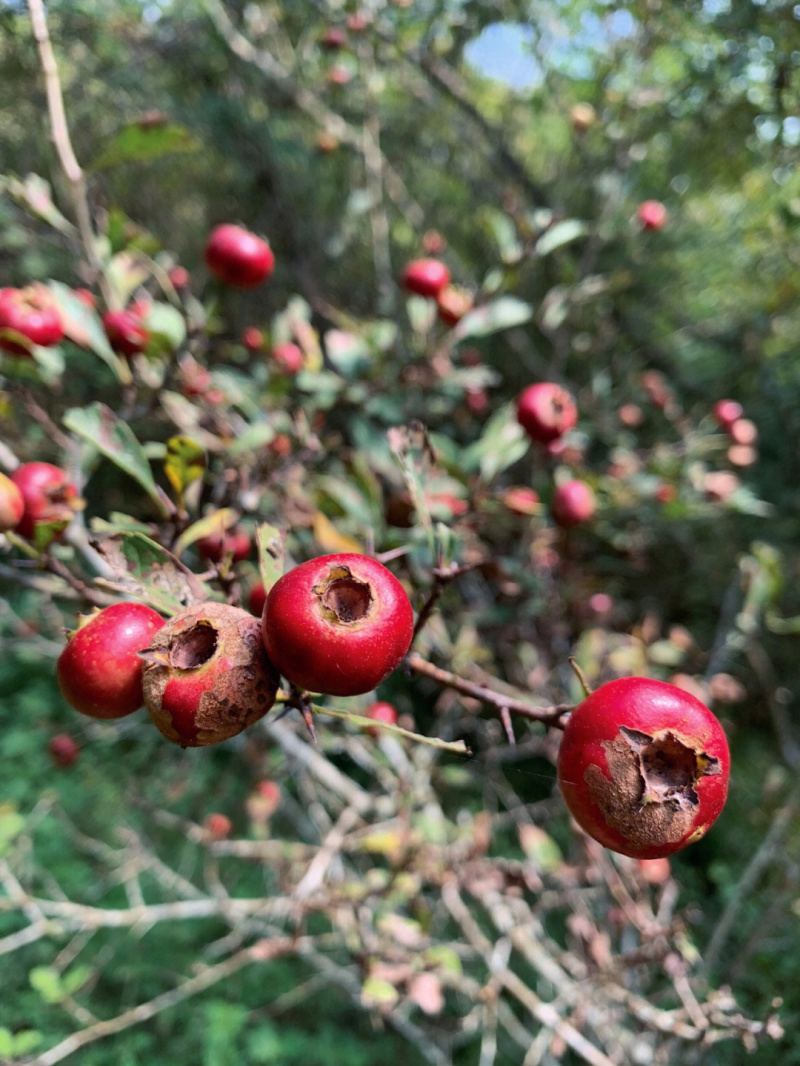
[
  {"x": 179, "y": 277},
  {"x": 452, "y": 303},
  {"x": 425, "y": 277},
  {"x": 238, "y": 257},
  {"x": 337, "y": 624},
  {"x": 206, "y": 676},
  {"x": 50, "y": 497},
  {"x": 643, "y": 767},
  {"x": 99, "y": 672},
  {"x": 743, "y": 431},
  {"x": 12, "y": 504},
  {"x": 216, "y": 546},
  {"x": 125, "y": 332},
  {"x": 288, "y": 358},
  {"x": 573, "y": 503},
  {"x": 339, "y": 75},
  {"x": 28, "y": 317},
  {"x": 218, "y": 826},
  {"x": 64, "y": 751},
  {"x": 253, "y": 339},
  {"x": 546, "y": 411},
  {"x": 333, "y": 38},
  {"x": 726, "y": 412},
  {"x": 256, "y": 599},
  {"x": 652, "y": 215},
  {"x": 380, "y": 712}
]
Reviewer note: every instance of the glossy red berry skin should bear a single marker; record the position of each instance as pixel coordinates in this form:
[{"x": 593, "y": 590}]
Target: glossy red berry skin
[
  {"x": 64, "y": 751},
  {"x": 546, "y": 411},
  {"x": 31, "y": 314},
  {"x": 256, "y": 599},
  {"x": 643, "y": 767},
  {"x": 12, "y": 504},
  {"x": 338, "y": 624},
  {"x": 425, "y": 277},
  {"x": 288, "y": 358},
  {"x": 652, "y": 215},
  {"x": 206, "y": 675},
  {"x": 726, "y": 412},
  {"x": 574, "y": 503},
  {"x": 253, "y": 339},
  {"x": 48, "y": 494},
  {"x": 238, "y": 257},
  {"x": 99, "y": 672},
  {"x": 125, "y": 332}
]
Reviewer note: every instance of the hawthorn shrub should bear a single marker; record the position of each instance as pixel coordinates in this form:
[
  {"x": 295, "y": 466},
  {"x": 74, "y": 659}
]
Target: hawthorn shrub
[{"x": 226, "y": 349}]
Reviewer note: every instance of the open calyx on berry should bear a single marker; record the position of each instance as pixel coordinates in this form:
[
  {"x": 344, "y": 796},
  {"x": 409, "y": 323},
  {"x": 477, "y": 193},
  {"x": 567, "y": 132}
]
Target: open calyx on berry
[
  {"x": 643, "y": 767},
  {"x": 337, "y": 624}
]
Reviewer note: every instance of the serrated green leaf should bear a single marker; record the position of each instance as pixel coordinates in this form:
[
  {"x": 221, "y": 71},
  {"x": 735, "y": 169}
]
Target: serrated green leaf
[
  {"x": 114, "y": 439},
  {"x": 146, "y": 571},
  {"x": 139, "y": 143},
  {"x": 505, "y": 312}
]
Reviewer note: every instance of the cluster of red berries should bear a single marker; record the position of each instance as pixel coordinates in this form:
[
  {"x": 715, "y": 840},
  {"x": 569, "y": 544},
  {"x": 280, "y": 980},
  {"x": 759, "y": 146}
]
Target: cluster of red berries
[
  {"x": 431, "y": 278},
  {"x": 37, "y": 500},
  {"x": 337, "y": 624}
]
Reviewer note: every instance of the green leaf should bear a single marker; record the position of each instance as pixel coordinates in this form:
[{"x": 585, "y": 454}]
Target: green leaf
[
  {"x": 11, "y": 825},
  {"x": 501, "y": 444},
  {"x": 47, "y": 982},
  {"x": 146, "y": 571},
  {"x": 24, "y": 1042},
  {"x": 140, "y": 143},
  {"x": 83, "y": 327},
  {"x": 560, "y": 234},
  {"x": 347, "y": 352},
  {"x": 167, "y": 328},
  {"x": 75, "y": 978},
  {"x": 114, "y": 439},
  {"x": 505, "y": 312},
  {"x": 271, "y": 545}
]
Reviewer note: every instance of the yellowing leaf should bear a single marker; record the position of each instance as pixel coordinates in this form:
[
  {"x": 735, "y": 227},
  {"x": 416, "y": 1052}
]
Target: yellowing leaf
[{"x": 330, "y": 539}]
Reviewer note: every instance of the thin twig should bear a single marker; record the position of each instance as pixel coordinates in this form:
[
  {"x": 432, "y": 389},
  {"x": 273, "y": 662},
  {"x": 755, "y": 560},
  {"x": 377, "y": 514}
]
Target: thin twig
[
  {"x": 549, "y": 716},
  {"x": 63, "y": 144}
]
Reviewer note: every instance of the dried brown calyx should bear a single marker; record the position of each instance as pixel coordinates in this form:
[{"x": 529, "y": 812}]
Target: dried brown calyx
[
  {"x": 651, "y": 797},
  {"x": 342, "y": 597}
]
